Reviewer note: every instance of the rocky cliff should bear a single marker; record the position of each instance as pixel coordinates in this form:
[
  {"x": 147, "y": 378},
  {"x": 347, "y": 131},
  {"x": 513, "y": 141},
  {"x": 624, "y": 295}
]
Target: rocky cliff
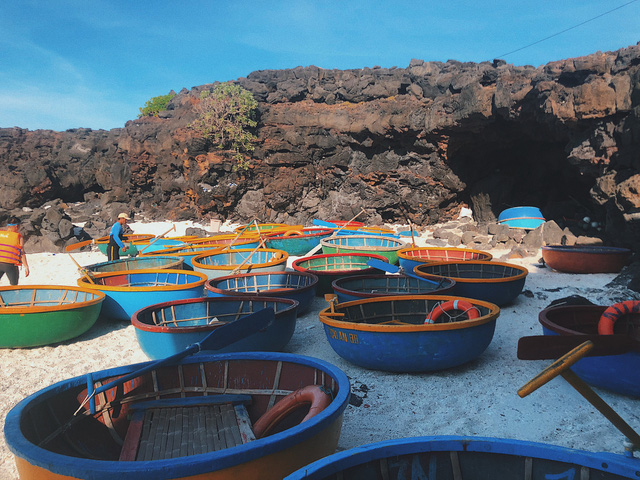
[{"x": 418, "y": 142}]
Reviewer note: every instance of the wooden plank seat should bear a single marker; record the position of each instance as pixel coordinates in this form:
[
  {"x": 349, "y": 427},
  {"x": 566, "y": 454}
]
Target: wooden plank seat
[{"x": 177, "y": 427}]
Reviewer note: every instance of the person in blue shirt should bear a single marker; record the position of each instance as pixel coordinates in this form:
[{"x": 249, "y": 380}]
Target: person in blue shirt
[{"x": 116, "y": 236}]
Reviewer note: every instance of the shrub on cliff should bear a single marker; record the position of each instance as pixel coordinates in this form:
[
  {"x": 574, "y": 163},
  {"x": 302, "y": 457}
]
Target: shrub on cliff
[
  {"x": 156, "y": 105},
  {"x": 225, "y": 116}
]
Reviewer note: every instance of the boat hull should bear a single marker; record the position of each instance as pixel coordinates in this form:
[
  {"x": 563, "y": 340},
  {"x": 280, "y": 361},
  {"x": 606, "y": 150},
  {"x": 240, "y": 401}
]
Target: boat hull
[
  {"x": 616, "y": 373},
  {"x": 528, "y": 218},
  {"x": 493, "y": 282},
  {"x": 298, "y": 286},
  {"x": 129, "y": 291},
  {"x": 168, "y": 328},
  {"x": 370, "y": 335},
  {"x": 585, "y": 259},
  {"x": 449, "y": 458},
  {"x": 271, "y": 457},
  {"x": 37, "y": 315}
]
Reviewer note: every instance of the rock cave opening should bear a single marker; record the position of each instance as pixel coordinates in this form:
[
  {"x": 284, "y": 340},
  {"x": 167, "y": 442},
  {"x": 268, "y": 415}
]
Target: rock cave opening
[{"x": 508, "y": 167}]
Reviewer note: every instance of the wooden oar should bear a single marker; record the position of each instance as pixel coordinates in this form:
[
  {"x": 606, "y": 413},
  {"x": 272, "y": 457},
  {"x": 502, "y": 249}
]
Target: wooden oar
[
  {"x": 562, "y": 367},
  {"x": 75, "y": 246},
  {"x": 239, "y": 267},
  {"x": 219, "y": 338},
  {"x": 546, "y": 347},
  {"x": 83, "y": 270},
  {"x": 158, "y": 237},
  {"x": 387, "y": 267},
  {"x": 228, "y": 247},
  {"x": 335, "y": 232}
]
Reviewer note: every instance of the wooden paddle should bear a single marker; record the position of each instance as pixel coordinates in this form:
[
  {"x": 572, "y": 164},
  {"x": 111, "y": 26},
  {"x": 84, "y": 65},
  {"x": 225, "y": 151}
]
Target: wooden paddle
[
  {"x": 83, "y": 270},
  {"x": 387, "y": 267},
  {"x": 562, "y": 367},
  {"x": 219, "y": 338},
  {"x": 157, "y": 238},
  {"x": 335, "y": 232},
  {"x": 546, "y": 347}
]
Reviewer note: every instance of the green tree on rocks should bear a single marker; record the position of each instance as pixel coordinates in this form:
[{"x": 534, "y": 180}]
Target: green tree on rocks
[
  {"x": 226, "y": 116},
  {"x": 156, "y": 105}
]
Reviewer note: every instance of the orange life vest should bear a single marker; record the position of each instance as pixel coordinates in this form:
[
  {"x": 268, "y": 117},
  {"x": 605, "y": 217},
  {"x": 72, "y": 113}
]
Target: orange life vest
[{"x": 10, "y": 251}]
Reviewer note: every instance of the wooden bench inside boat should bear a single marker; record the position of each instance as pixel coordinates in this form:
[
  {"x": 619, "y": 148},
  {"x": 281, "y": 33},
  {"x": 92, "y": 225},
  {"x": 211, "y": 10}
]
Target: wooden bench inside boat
[{"x": 177, "y": 427}]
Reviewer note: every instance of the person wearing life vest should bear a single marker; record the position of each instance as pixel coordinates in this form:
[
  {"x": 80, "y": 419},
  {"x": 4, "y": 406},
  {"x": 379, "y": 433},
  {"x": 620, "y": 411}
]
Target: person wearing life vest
[
  {"x": 116, "y": 235},
  {"x": 12, "y": 252}
]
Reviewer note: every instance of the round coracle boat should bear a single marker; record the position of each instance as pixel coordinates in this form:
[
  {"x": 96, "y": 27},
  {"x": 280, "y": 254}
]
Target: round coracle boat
[
  {"x": 375, "y": 244},
  {"x": 130, "y": 290},
  {"x": 410, "y": 333},
  {"x": 299, "y": 286},
  {"x": 330, "y": 267},
  {"x": 373, "y": 286},
  {"x": 249, "y": 416},
  {"x": 136, "y": 263},
  {"x": 230, "y": 262},
  {"x": 187, "y": 254},
  {"x": 411, "y": 257},
  {"x": 298, "y": 242},
  {"x": 36, "y": 315},
  {"x": 494, "y": 282},
  {"x": 585, "y": 258}
]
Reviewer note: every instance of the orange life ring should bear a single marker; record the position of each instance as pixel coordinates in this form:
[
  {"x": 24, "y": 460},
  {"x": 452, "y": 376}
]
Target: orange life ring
[
  {"x": 615, "y": 312},
  {"x": 290, "y": 233},
  {"x": 471, "y": 311},
  {"x": 319, "y": 398}
]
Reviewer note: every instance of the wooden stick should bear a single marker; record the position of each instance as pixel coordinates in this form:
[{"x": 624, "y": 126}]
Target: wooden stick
[
  {"x": 228, "y": 247},
  {"x": 561, "y": 367},
  {"x": 83, "y": 271},
  {"x": 237, "y": 269},
  {"x": 158, "y": 237}
]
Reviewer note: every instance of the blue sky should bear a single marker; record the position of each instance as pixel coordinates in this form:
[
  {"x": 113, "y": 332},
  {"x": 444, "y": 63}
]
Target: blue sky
[{"x": 78, "y": 63}]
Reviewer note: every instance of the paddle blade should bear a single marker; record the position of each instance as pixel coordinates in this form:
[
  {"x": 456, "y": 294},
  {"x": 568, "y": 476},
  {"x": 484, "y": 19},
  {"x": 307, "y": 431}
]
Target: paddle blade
[
  {"x": 545, "y": 347},
  {"x": 322, "y": 223},
  {"x": 384, "y": 266},
  {"x": 237, "y": 330}
]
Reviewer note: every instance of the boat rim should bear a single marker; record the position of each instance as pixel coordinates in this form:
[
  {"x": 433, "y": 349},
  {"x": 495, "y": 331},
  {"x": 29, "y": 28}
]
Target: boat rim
[
  {"x": 210, "y": 287},
  {"x": 402, "y": 253},
  {"x": 296, "y": 263},
  {"x": 197, "y": 263},
  {"x": 329, "y": 242}
]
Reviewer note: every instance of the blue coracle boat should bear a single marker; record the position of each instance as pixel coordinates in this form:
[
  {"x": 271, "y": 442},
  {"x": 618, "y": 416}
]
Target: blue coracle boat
[
  {"x": 457, "y": 458},
  {"x": 495, "y": 282},
  {"x": 617, "y": 373},
  {"x": 299, "y": 286},
  {"x": 168, "y": 328},
  {"x": 130, "y": 290},
  {"x": 298, "y": 242},
  {"x": 410, "y": 333},
  {"x": 521, "y": 217},
  {"x": 359, "y": 287}
]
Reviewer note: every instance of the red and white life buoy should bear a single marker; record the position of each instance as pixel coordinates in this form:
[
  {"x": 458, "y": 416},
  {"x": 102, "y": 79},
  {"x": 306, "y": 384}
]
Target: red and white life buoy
[
  {"x": 449, "y": 306},
  {"x": 614, "y": 313},
  {"x": 318, "y": 397}
]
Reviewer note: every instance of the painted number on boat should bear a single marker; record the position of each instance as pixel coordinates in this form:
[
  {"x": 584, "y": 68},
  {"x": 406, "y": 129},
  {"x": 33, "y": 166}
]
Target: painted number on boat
[{"x": 342, "y": 336}]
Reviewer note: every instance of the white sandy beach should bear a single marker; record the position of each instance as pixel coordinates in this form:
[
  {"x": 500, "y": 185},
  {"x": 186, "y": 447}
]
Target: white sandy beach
[{"x": 478, "y": 398}]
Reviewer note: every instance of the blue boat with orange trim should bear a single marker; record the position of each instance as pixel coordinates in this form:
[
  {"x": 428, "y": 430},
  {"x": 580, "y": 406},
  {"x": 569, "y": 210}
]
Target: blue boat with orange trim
[
  {"x": 243, "y": 417},
  {"x": 411, "y": 257},
  {"x": 410, "y": 333},
  {"x": 359, "y": 287},
  {"x": 298, "y": 242},
  {"x": 243, "y": 260},
  {"x": 299, "y": 286},
  {"x": 527, "y": 218},
  {"x": 168, "y": 328},
  {"x": 494, "y": 282},
  {"x": 130, "y": 290}
]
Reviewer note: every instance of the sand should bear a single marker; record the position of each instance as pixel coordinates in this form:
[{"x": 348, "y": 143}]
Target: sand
[{"x": 477, "y": 399}]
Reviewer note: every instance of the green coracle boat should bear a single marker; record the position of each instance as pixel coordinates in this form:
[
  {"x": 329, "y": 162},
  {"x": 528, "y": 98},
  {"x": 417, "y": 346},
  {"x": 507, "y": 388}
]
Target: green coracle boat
[
  {"x": 368, "y": 244},
  {"x": 37, "y": 315}
]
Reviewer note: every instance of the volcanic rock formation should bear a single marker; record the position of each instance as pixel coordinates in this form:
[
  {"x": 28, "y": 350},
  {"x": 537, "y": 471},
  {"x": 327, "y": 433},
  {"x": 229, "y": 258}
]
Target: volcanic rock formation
[{"x": 415, "y": 143}]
